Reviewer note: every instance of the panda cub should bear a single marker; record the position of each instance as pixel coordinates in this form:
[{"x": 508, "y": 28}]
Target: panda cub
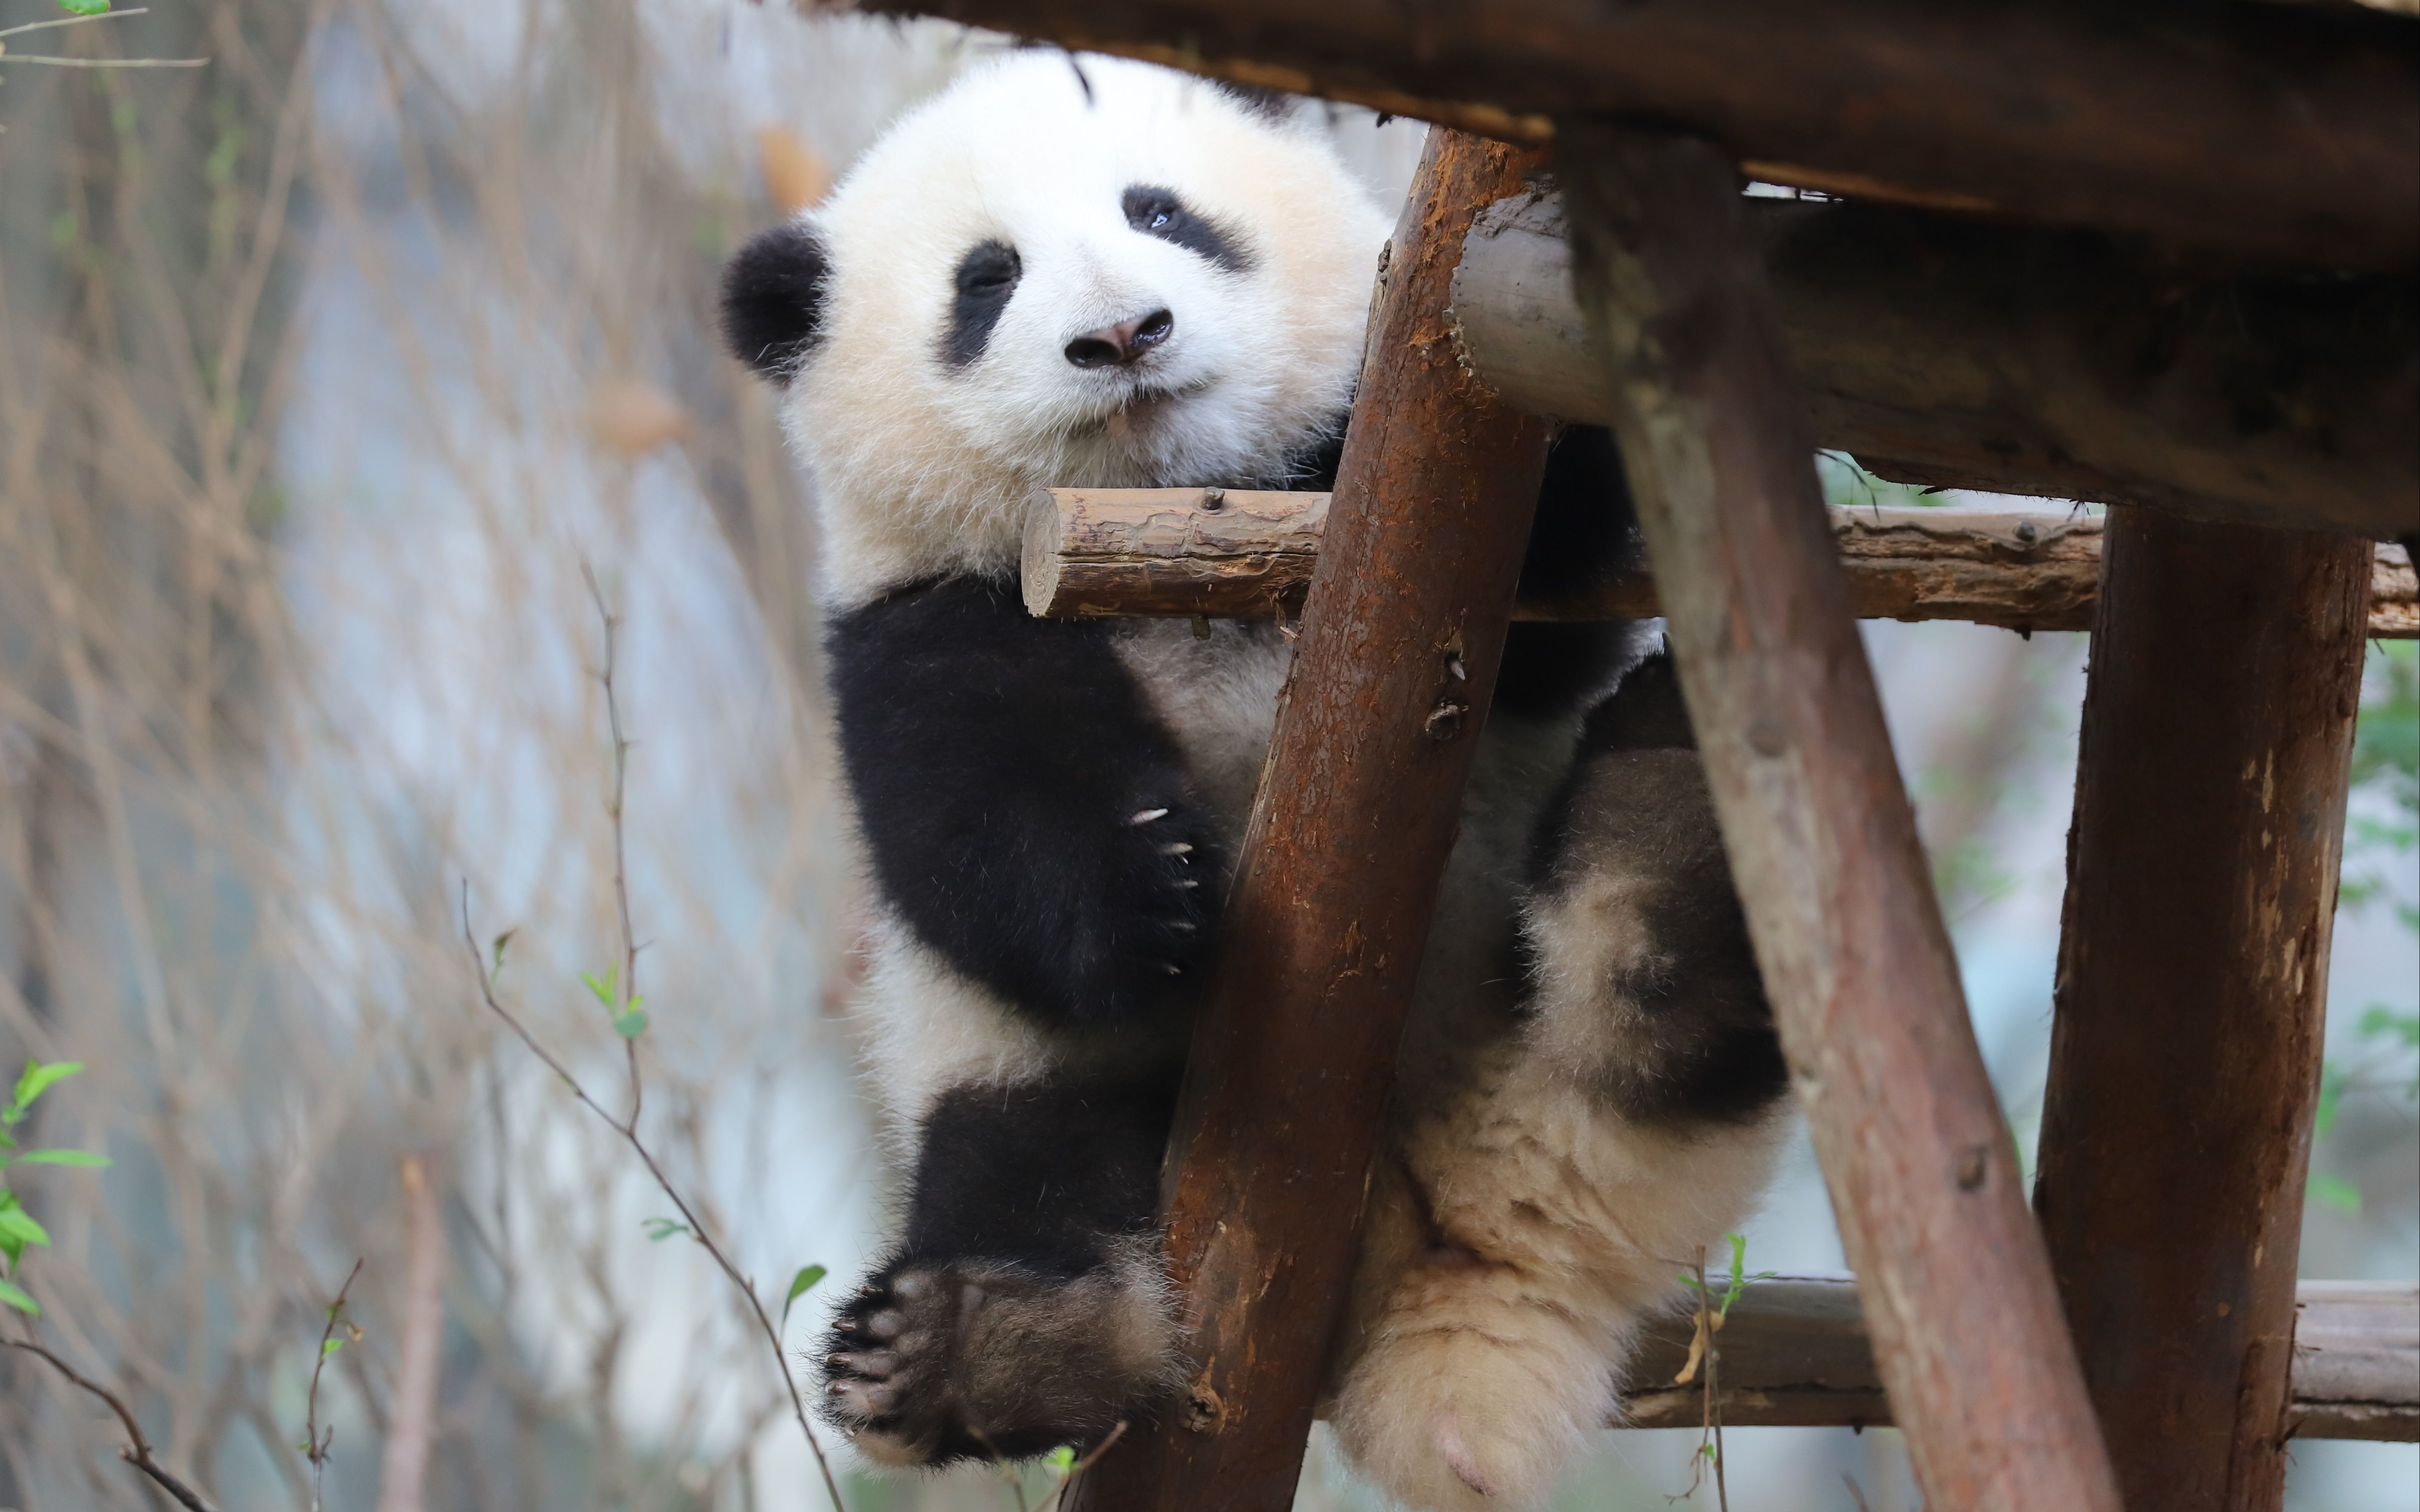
[{"x": 1095, "y": 272}]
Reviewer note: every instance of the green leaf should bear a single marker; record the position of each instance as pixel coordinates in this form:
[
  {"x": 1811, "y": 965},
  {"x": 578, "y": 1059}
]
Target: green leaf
[
  {"x": 15, "y": 1297},
  {"x": 38, "y": 1079},
  {"x": 2332, "y": 1090},
  {"x": 18, "y": 1225},
  {"x": 85, "y": 7},
  {"x": 630, "y": 1026},
  {"x": 660, "y": 1230},
  {"x": 2380, "y": 1019},
  {"x": 503, "y": 941},
  {"x": 1062, "y": 1458},
  {"x": 603, "y": 987},
  {"x": 2333, "y": 1192},
  {"x": 799, "y": 1285},
  {"x": 329, "y": 1346},
  {"x": 62, "y": 1157}
]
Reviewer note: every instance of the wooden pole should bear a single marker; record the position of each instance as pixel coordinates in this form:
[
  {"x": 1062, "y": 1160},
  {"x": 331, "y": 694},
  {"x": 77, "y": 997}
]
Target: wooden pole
[
  {"x": 2026, "y": 360},
  {"x": 2209, "y": 806},
  {"x": 2287, "y": 131},
  {"x": 1795, "y": 1354},
  {"x": 1839, "y": 901},
  {"x": 1356, "y": 810},
  {"x": 1237, "y": 554}
]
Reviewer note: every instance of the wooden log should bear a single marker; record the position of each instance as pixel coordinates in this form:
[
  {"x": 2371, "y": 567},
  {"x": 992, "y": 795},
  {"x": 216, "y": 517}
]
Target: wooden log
[
  {"x": 1841, "y": 906},
  {"x": 1231, "y": 554},
  {"x": 1795, "y": 1354},
  {"x": 2286, "y": 131},
  {"x": 1355, "y": 811},
  {"x": 2184, "y": 1069},
  {"x": 2058, "y": 364}
]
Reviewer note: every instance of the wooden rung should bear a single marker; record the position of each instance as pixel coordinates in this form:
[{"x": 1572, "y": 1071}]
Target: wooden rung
[
  {"x": 1795, "y": 1354},
  {"x": 1238, "y": 554}
]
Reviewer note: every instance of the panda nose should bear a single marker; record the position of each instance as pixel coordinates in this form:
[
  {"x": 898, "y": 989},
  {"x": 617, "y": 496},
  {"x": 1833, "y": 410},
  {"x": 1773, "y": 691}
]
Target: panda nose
[{"x": 1122, "y": 345}]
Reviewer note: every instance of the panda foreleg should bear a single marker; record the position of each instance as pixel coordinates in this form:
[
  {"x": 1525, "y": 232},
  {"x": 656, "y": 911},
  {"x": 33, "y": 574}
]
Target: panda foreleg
[
  {"x": 1025, "y": 811},
  {"x": 1024, "y": 1307}
]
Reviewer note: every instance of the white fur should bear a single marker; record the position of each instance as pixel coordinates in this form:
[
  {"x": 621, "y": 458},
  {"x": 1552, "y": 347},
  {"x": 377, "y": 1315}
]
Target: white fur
[
  {"x": 1518, "y": 1229},
  {"x": 920, "y": 470}
]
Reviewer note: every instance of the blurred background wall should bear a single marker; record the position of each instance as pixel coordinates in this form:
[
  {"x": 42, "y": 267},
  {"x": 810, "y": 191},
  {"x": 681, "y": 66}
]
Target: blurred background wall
[{"x": 327, "y": 372}]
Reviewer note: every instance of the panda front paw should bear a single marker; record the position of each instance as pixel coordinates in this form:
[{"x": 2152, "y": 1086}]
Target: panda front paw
[
  {"x": 987, "y": 1359},
  {"x": 1141, "y": 914}
]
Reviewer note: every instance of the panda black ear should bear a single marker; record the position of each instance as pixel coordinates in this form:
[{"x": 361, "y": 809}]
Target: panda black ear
[{"x": 773, "y": 300}]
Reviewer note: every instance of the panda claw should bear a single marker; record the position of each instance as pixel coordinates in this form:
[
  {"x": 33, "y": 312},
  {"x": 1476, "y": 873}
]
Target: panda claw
[
  {"x": 1147, "y": 815},
  {"x": 1177, "y": 848}
]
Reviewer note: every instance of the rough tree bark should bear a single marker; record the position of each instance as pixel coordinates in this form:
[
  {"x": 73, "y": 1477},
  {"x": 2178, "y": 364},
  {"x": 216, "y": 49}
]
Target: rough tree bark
[
  {"x": 2287, "y": 131},
  {"x": 2210, "y": 807},
  {"x": 1225, "y": 553},
  {"x": 1841, "y": 906},
  {"x": 1356, "y": 810},
  {"x": 2058, "y": 364},
  {"x": 1795, "y": 1353}
]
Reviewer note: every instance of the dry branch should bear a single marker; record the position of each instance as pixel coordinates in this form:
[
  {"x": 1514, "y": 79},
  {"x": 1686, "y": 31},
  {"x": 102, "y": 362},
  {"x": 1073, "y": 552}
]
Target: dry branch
[
  {"x": 1821, "y": 839},
  {"x": 1336, "y": 881},
  {"x": 1795, "y": 1354},
  {"x": 2061, "y": 365},
  {"x": 2286, "y": 131},
  {"x": 2192, "y": 991},
  {"x": 1232, "y": 554}
]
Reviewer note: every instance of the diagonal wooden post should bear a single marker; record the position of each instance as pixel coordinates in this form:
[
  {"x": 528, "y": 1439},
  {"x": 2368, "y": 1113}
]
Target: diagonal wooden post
[
  {"x": 1356, "y": 810},
  {"x": 2193, "y": 973},
  {"x": 1956, "y": 1284}
]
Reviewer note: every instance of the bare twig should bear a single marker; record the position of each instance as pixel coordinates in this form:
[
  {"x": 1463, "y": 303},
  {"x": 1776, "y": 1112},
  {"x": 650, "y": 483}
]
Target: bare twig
[
  {"x": 1058, "y": 1492},
  {"x": 315, "y": 1445},
  {"x": 628, "y": 1129},
  {"x": 410, "y": 1431},
  {"x": 628, "y": 987},
  {"x": 136, "y": 1453}
]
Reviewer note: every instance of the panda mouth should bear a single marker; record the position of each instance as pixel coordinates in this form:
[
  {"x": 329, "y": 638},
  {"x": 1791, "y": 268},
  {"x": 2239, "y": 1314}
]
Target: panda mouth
[{"x": 1142, "y": 406}]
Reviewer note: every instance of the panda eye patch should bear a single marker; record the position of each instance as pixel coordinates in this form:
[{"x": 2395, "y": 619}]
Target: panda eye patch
[
  {"x": 985, "y": 278},
  {"x": 1158, "y": 212}
]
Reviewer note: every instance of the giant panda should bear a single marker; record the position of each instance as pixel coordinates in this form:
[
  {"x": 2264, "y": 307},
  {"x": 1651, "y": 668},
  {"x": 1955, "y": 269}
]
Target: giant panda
[{"x": 1086, "y": 271}]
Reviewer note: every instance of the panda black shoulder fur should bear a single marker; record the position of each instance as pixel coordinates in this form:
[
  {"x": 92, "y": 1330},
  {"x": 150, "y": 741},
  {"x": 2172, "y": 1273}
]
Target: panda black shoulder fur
[{"x": 1122, "y": 276}]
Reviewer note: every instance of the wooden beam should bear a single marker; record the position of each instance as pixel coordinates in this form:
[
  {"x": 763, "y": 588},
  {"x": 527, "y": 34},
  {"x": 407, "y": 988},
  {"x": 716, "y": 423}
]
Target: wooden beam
[
  {"x": 1357, "y": 808},
  {"x": 1865, "y": 989},
  {"x": 1230, "y": 554},
  {"x": 1795, "y": 1354},
  {"x": 2053, "y": 363},
  {"x": 2286, "y": 131},
  {"x": 2184, "y": 1070}
]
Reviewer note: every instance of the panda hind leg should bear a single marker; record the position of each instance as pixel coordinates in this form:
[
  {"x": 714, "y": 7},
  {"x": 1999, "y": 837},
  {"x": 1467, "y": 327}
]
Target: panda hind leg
[
  {"x": 1645, "y": 989},
  {"x": 1024, "y": 1309}
]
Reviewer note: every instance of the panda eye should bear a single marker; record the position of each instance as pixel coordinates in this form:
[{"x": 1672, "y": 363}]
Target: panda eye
[{"x": 1158, "y": 212}]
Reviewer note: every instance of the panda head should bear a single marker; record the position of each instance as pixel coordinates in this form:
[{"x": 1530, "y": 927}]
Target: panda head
[{"x": 1061, "y": 272}]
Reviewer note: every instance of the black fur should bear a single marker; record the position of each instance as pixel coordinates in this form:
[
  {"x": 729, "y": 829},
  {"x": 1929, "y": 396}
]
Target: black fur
[
  {"x": 988, "y": 275},
  {"x": 1585, "y": 535},
  {"x": 1042, "y": 1174},
  {"x": 1000, "y": 764},
  {"x": 996, "y": 1329},
  {"x": 1707, "y": 1049},
  {"x": 773, "y": 300},
  {"x": 1159, "y": 212}
]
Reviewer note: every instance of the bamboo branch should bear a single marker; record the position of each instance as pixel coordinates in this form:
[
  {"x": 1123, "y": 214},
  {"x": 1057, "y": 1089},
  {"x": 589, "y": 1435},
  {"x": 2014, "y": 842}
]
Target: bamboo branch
[{"x": 1232, "y": 554}]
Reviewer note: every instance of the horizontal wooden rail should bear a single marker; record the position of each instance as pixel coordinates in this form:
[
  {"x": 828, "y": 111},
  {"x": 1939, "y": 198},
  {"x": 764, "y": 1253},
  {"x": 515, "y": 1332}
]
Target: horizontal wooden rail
[
  {"x": 1231, "y": 554},
  {"x": 2053, "y": 363},
  {"x": 2288, "y": 132},
  {"x": 1795, "y": 1354}
]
